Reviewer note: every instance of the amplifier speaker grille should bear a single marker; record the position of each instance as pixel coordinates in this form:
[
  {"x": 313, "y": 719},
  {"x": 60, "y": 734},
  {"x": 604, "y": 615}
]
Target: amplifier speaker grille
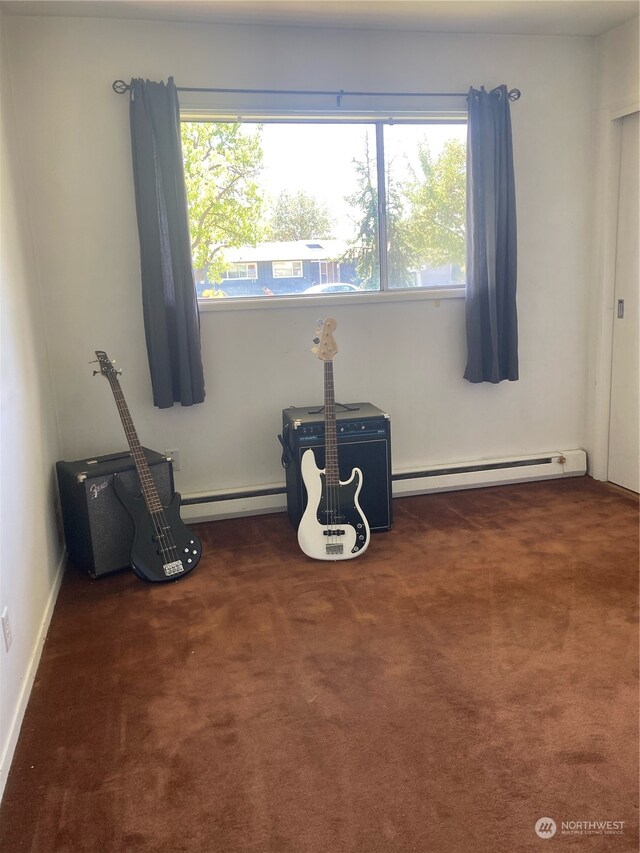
[
  {"x": 98, "y": 530},
  {"x": 364, "y": 441}
]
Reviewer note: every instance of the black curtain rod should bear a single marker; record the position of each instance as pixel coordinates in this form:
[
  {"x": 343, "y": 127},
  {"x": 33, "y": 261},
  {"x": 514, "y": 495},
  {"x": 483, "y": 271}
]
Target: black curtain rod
[{"x": 120, "y": 87}]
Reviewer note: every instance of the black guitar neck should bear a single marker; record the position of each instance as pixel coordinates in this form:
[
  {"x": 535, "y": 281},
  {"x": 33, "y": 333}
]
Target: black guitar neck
[{"x": 148, "y": 487}]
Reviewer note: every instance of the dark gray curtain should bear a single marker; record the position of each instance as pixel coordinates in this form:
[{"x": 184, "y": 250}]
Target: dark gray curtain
[
  {"x": 170, "y": 304},
  {"x": 491, "y": 316}
]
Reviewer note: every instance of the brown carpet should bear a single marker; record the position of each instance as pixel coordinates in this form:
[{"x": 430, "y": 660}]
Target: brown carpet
[{"x": 474, "y": 671}]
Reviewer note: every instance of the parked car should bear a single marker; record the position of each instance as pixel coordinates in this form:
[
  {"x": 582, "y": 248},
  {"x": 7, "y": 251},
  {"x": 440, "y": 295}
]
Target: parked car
[{"x": 333, "y": 287}]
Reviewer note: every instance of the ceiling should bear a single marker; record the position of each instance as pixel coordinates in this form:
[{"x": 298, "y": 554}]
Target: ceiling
[{"x": 511, "y": 17}]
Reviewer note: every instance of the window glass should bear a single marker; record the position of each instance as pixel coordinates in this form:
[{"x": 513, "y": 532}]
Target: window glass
[
  {"x": 292, "y": 208},
  {"x": 286, "y": 269},
  {"x": 425, "y": 180},
  {"x": 240, "y": 271}
]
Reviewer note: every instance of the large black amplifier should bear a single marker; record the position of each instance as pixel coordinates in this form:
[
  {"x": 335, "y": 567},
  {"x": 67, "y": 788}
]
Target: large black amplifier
[
  {"x": 98, "y": 529},
  {"x": 364, "y": 441}
]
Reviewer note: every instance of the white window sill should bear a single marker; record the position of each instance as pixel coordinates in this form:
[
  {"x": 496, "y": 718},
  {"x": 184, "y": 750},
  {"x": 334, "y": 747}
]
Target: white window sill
[{"x": 242, "y": 303}]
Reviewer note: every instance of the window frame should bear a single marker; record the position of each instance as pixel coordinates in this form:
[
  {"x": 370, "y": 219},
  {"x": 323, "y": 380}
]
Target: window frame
[{"x": 379, "y": 119}]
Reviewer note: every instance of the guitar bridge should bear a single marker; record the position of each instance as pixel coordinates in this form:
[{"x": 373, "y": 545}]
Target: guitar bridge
[
  {"x": 174, "y": 568},
  {"x": 335, "y": 549}
]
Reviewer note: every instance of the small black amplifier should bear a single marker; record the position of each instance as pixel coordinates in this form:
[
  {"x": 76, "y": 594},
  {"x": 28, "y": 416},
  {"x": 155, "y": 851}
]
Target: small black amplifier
[
  {"x": 363, "y": 434},
  {"x": 97, "y": 528}
]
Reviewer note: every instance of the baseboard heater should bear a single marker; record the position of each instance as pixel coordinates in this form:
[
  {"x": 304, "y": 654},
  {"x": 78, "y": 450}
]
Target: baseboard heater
[
  {"x": 233, "y": 503},
  {"x": 490, "y": 472}
]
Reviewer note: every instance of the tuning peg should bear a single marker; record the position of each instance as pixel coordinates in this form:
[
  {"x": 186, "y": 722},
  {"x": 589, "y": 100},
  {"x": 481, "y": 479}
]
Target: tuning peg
[
  {"x": 316, "y": 340},
  {"x": 95, "y": 361},
  {"x": 315, "y": 350}
]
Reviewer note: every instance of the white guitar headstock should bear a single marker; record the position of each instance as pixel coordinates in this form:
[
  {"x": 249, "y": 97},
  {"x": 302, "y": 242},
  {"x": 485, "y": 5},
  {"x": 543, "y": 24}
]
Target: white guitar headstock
[{"x": 326, "y": 346}]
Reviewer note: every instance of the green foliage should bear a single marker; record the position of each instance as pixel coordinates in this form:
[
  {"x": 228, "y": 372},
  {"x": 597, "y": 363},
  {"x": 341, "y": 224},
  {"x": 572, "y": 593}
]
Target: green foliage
[
  {"x": 402, "y": 259},
  {"x": 299, "y": 216},
  {"x": 401, "y": 256},
  {"x": 364, "y": 247},
  {"x": 437, "y": 230},
  {"x": 212, "y": 293},
  {"x": 221, "y": 165},
  {"x": 425, "y": 216}
]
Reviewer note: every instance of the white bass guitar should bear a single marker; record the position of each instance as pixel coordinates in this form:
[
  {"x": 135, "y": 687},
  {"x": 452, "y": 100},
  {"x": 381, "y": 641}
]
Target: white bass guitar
[{"x": 333, "y": 526}]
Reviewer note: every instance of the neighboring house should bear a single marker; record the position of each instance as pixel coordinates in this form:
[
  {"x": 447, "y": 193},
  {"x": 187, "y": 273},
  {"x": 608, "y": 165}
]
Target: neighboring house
[
  {"x": 293, "y": 267},
  {"x": 282, "y": 268}
]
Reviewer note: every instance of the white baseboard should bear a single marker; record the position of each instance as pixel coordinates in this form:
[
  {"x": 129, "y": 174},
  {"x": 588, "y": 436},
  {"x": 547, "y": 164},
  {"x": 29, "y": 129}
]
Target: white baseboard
[
  {"x": 235, "y": 503},
  {"x": 217, "y": 505},
  {"x": 491, "y": 472},
  {"x": 29, "y": 677}
]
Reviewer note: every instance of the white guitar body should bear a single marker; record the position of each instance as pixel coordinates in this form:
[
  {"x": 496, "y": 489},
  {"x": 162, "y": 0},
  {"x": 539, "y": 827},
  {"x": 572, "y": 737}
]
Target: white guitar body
[{"x": 332, "y": 527}]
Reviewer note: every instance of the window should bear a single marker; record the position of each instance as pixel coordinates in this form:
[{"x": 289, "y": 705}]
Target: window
[
  {"x": 281, "y": 208},
  {"x": 286, "y": 269},
  {"x": 240, "y": 271}
]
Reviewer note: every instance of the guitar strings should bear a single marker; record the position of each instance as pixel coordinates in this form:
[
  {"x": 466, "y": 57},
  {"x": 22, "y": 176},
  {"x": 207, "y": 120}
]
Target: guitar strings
[
  {"x": 331, "y": 463},
  {"x": 327, "y": 463},
  {"x": 159, "y": 520}
]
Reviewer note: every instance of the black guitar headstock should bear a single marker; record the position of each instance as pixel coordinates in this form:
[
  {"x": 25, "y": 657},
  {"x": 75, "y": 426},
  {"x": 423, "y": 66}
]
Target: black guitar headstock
[{"x": 106, "y": 365}]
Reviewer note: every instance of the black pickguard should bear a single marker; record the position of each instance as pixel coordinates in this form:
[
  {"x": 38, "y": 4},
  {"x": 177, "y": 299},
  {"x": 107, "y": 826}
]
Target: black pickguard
[
  {"x": 342, "y": 510},
  {"x": 163, "y": 549}
]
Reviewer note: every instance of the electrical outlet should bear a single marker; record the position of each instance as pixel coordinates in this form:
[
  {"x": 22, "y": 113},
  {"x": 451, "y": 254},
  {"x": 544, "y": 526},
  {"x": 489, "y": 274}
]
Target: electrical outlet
[
  {"x": 6, "y": 629},
  {"x": 175, "y": 456}
]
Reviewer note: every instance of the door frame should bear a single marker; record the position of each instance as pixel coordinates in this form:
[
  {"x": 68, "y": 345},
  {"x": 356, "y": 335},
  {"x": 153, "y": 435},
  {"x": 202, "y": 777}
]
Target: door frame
[{"x": 605, "y": 308}]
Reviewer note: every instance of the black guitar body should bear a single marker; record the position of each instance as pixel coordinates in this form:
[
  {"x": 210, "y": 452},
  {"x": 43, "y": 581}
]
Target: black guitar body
[{"x": 164, "y": 549}]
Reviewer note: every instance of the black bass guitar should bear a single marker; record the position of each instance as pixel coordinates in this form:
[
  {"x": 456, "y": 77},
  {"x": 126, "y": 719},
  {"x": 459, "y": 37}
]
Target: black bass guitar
[
  {"x": 164, "y": 549},
  {"x": 333, "y": 526}
]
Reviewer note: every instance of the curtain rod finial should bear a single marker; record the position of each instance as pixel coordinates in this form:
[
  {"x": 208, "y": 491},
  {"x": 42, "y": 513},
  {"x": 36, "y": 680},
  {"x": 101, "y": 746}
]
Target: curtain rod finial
[
  {"x": 119, "y": 87},
  {"x": 514, "y": 95}
]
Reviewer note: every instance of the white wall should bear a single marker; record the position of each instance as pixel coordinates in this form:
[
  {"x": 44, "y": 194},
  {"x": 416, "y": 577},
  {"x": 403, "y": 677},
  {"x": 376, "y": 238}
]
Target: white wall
[
  {"x": 619, "y": 69},
  {"x": 407, "y": 358},
  {"x": 30, "y": 548}
]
